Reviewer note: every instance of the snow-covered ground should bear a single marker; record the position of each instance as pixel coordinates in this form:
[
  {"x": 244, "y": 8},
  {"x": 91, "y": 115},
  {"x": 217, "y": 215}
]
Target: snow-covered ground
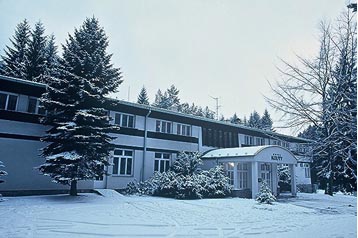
[{"x": 91, "y": 215}]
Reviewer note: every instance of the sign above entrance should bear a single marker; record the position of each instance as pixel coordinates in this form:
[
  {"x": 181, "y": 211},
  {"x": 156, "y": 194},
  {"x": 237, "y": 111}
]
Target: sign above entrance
[{"x": 276, "y": 157}]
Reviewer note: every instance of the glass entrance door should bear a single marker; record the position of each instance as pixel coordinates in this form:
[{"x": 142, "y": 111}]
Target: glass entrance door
[{"x": 266, "y": 174}]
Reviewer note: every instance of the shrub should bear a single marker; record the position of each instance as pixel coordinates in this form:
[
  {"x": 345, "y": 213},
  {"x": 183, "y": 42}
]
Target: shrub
[
  {"x": 185, "y": 181},
  {"x": 265, "y": 195}
]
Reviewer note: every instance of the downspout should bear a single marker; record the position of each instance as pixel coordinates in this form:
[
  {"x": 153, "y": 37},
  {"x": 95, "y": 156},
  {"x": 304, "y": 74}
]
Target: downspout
[{"x": 145, "y": 143}]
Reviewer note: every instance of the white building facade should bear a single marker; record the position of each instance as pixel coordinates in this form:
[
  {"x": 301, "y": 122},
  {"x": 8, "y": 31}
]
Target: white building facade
[{"x": 149, "y": 141}]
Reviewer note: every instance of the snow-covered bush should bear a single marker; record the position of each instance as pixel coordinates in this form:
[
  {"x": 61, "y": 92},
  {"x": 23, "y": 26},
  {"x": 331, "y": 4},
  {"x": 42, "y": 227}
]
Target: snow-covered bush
[
  {"x": 2, "y": 172},
  {"x": 185, "y": 181},
  {"x": 265, "y": 194},
  {"x": 187, "y": 163},
  {"x": 217, "y": 183}
]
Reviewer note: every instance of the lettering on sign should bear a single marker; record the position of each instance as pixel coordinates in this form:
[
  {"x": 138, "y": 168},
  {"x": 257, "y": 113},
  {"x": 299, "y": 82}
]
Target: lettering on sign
[{"x": 276, "y": 157}]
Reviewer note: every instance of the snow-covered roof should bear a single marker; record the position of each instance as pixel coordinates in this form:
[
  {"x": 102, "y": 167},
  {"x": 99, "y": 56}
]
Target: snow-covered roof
[
  {"x": 267, "y": 133},
  {"x": 235, "y": 152}
]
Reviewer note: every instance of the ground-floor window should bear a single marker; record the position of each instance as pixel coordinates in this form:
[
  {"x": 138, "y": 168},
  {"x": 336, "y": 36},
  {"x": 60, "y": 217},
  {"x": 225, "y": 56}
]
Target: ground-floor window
[
  {"x": 266, "y": 173},
  {"x": 161, "y": 162},
  {"x": 230, "y": 172},
  {"x": 242, "y": 174},
  {"x": 307, "y": 171},
  {"x": 123, "y": 162}
]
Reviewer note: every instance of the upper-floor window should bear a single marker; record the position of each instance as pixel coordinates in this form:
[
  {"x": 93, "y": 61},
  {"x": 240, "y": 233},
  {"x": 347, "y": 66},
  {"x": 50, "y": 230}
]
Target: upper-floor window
[
  {"x": 163, "y": 126},
  {"x": 124, "y": 120},
  {"x": 8, "y": 101},
  {"x": 249, "y": 140},
  {"x": 122, "y": 162},
  {"x": 34, "y": 106},
  {"x": 184, "y": 130}
]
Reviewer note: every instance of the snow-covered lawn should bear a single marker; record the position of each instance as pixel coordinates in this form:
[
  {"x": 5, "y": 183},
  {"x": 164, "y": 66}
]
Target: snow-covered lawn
[{"x": 91, "y": 215}]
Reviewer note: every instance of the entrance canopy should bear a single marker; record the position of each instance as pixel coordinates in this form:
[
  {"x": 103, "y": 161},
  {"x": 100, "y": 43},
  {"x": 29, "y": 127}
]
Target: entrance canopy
[{"x": 263, "y": 154}]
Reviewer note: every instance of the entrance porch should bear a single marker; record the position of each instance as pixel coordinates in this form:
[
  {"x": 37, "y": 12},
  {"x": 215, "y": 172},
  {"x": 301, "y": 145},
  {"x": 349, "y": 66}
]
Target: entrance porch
[{"x": 247, "y": 167}]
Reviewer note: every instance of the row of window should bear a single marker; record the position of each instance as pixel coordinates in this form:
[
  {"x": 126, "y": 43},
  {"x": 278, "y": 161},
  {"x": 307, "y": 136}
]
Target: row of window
[
  {"x": 126, "y": 120},
  {"x": 219, "y": 138},
  {"x": 123, "y": 162},
  {"x": 167, "y": 127},
  {"x": 10, "y": 101}
]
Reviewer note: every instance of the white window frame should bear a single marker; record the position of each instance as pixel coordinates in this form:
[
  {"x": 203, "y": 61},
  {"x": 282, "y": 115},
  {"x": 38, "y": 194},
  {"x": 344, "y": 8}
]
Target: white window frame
[
  {"x": 162, "y": 161},
  {"x": 249, "y": 140},
  {"x": 37, "y": 106},
  {"x": 180, "y": 126},
  {"x": 160, "y": 127},
  {"x": 242, "y": 175},
  {"x": 230, "y": 169},
  {"x": 120, "y": 114},
  {"x": 7, "y": 100},
  {"x": 126, "y": 158}
]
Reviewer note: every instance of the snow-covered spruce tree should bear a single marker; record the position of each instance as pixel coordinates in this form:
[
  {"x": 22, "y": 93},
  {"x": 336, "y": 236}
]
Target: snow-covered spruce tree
[
  {"x": 254, "y": 120},
  {"x": 284, "y": 177},
  {"x": 173, "y": 98},
  {"x": 265, "y": 194},
  {"x": 235, "y": 119},
  {"x": 79, "y": 144},
  {"x": 14, "y": 60},
  {"x": 36, "y": 53},
  {"x": 266, "y": 121},
  {"x": 143, "y": 97}
]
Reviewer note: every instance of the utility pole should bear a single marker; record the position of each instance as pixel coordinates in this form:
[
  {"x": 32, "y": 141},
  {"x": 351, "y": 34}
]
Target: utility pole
[{"x": 217, "y": 106}]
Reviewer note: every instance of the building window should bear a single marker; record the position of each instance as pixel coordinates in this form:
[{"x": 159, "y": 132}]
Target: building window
[
  {"x": 307, "y": 171},
  {"x": 163, "y": 126},
  {"x": 123, "y": 162},
  {"x": 124, "y": 120},
  {"x": 262, "y": 141},
  {"x": 230, "y": 172},
  {"x": 184, "y": 130},
  {"x": 35, "y": 106},
  {"x": 161, "y": 162},
  {"x": 258, "y": 141},
  {"x": 8, "y": 102},
  {"x": 242, "y": 174}
]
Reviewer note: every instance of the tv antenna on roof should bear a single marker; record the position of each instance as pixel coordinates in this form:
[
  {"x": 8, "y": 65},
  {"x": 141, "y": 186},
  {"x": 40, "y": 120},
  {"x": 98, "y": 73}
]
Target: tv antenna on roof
[{"x": 217, "y": 106}]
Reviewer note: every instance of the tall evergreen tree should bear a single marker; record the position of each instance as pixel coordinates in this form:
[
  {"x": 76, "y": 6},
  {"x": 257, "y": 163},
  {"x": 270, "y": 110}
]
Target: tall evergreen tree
[
  {"x": 173, "y": 98},
  {"x": 14, "y": 60},
  {"x": 266, "y": 121},
  {"x": 143, "y": 97},
  {"x": 79, "y": 144},
  {"x": 254, "y": 120},
  {"x": 235, "y": 119},
  {"x": 36, "y": 54},
  {"x": 52, "y": 60}
]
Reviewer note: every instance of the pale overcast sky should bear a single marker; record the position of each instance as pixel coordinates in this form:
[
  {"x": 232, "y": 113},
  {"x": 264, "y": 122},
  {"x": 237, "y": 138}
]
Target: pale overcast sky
[{"x": 223, "y": 48}]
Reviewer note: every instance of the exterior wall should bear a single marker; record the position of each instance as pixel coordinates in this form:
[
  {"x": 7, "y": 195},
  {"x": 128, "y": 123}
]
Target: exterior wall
[{"x": 21, "y": 159}]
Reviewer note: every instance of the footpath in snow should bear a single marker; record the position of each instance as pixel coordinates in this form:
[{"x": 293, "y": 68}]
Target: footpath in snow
[{"x": 92, "y": 215}]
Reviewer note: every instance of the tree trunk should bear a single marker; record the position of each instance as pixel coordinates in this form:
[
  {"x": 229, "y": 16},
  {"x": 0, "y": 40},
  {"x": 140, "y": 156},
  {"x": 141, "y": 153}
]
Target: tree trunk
[{"x": 73, "y": 190}]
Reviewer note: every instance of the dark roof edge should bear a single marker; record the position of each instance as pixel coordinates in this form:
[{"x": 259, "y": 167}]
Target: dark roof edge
[{"x": 17, "y": 80}]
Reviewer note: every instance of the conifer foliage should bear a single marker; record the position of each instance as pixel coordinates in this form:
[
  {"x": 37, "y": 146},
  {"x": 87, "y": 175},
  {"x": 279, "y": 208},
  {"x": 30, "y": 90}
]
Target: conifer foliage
[
  {"x": 143, "y": 97},
  {"x": 265, "y": 194},
  {"x": 79, "y": 143},
  {"x": 15, "y": 56},
  {"x": 2, "y": 172},
  {"x": 185, "y": 180}
]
